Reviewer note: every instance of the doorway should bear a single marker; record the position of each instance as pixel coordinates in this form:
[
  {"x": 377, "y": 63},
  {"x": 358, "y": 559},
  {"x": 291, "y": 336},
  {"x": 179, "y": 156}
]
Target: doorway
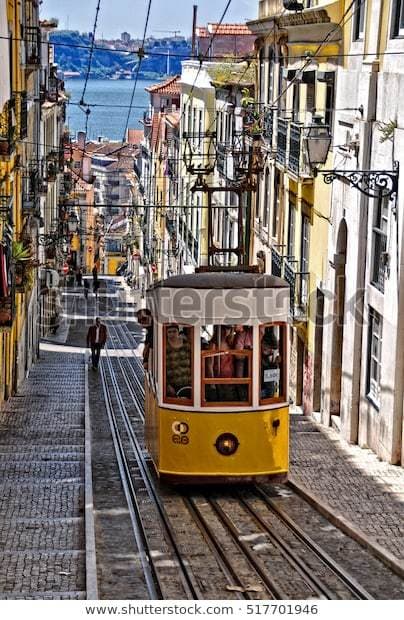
[
  {"x": 338, "y": 319},
  {"x": 318, "y": 351}
]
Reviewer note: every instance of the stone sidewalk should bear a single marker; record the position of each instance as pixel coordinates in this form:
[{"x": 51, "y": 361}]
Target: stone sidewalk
[
  {"x": 351, "y": 483},
  {"x": 42, "y": 441}
]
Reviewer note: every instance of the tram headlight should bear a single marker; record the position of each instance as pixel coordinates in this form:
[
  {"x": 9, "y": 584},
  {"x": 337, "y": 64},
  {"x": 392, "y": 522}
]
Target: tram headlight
[{"x": 227, "y": 444}]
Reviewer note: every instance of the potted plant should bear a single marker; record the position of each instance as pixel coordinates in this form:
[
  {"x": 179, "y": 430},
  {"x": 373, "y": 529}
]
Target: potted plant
[
  {"x": 252, "y": 119},
  {"x": 23, "y": 265}
]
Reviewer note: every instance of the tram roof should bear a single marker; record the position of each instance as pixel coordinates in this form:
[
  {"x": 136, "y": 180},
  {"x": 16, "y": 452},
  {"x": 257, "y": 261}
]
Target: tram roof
[{"x": 222, "y": 280}]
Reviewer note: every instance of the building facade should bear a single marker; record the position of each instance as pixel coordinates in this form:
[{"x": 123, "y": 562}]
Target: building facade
[
  {"x": 363, "y": 346},
  {"x": 19, "y": 207}
]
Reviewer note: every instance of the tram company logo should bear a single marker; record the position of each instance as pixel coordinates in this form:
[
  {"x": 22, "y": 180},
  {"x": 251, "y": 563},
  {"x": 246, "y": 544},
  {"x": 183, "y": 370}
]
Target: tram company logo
[{"x": 180, "y": 430}]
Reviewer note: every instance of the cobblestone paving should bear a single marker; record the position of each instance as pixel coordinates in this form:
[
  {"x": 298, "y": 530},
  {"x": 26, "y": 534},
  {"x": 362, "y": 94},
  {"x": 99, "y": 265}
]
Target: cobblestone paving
[
  {"x": 351, "y": 480},
  {"x": 42, "y": 547}
]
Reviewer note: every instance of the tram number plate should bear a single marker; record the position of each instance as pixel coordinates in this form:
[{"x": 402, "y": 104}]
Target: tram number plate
[{"x": 180, "y": 430}]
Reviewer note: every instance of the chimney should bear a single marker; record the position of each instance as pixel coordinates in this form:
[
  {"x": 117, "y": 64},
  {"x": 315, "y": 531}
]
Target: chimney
[
  {"x": 81, "y": 139},
  {"x": 195, "y": 12}
]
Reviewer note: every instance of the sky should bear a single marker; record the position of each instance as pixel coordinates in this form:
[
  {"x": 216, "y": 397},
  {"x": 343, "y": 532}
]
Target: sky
[{"x": 117, "y": 16}]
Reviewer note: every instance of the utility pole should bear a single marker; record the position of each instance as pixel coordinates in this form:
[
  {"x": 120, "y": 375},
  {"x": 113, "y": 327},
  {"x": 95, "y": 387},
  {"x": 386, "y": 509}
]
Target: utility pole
[{"x": 195, "y": 12}]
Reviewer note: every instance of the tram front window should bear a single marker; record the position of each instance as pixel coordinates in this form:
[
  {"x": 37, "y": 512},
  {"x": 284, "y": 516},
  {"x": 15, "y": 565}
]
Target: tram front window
[
  {"x": 272, "y": 381},
  {"x": 178, "y": 363},
  {"x": 226, "y": 354}
]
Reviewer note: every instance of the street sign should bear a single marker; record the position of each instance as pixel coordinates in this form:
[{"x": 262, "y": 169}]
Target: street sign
[
  {"x": 65, "y": 269},
  {"x": 90, "y": 249}
]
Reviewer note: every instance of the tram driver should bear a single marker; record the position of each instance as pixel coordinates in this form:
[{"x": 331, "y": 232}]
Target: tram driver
[{"x": 270, "y": 365}]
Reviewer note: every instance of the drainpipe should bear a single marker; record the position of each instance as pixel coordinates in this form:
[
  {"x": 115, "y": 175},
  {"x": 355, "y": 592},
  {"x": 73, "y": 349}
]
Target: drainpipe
[
  {"x": 359, "y": 306},
  {"x": 195, "y": 13}
]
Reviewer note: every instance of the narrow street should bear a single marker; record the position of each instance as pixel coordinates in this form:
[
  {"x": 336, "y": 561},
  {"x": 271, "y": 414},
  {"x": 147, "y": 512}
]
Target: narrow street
[{"x": 80, "y": 442}]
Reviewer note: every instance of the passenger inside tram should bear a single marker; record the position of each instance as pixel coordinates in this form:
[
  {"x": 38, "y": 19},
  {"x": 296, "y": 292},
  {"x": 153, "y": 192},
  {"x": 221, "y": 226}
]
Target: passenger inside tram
[
  {"x": 178, "y": 362},
  {"x": 222, "y": 352}
]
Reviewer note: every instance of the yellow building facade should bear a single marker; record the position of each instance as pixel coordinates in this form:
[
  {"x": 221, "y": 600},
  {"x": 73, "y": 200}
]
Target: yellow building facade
[
  {"x": 19, "y": 122},
  {"x": 298, "y": 56}
]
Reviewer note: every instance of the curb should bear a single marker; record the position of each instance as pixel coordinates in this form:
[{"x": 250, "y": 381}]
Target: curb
[
  {"x": 91, "y": 558},
  {"x": 348, "y": 528}
]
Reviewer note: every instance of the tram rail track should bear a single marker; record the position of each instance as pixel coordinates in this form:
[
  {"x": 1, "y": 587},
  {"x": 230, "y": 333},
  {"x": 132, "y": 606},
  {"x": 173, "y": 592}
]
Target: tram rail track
[
  {"x": 317, "y": 587},
  {"x": 128, "y": 466}
]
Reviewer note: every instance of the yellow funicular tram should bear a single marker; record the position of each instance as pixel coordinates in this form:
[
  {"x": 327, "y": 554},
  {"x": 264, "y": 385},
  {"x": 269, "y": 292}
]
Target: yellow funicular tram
[
  {"x": 217, "y": 405},
  {"x": 217, "y": 379}
]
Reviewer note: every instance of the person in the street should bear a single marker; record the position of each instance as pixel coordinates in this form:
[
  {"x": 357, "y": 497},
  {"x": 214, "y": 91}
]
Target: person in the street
[
  {"x": 144, "y": 318},
  {"x": 86, "y": 285},
  {"x": 79, "y": 276},
  {"x": 95, "y": 273},
  {"x": 96, "y": 339},
  {"x": 96, "y": 286}
]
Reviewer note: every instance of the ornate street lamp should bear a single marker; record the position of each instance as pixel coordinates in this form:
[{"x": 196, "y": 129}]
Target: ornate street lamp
[
  {"x": 317, "y": 141},
  {"x": 371, "y": 183}
]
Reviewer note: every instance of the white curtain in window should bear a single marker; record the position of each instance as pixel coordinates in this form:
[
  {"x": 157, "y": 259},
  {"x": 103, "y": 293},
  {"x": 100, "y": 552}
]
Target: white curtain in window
[{"x": 4, "y": 56}]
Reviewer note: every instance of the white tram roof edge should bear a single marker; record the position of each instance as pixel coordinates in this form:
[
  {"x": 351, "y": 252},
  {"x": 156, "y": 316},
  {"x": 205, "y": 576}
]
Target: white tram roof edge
[{"x": 220, "y": 298}]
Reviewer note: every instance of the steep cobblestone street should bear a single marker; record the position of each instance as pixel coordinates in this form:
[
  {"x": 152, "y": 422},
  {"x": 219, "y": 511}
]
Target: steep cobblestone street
[
  {"x": 42, "y": 464},
  {"x": 351, "y": 482},
  {"x": 42, "y": 545}
]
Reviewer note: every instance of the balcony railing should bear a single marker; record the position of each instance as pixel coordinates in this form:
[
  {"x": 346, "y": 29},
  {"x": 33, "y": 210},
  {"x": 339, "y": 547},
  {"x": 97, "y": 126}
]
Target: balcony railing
[
  {"x": 268, "y": 125},
  {"x": 299, "y": 289},
  {"x": 287, "y": 267},
  {"x": 7, "y": 131},
  {"x": 32, "y": 36},
  {"x": 221, "y": 158},
  {"x": 282, "y": 141},
  {"x": 290, "y": 151},
  {"x": 21, "y": 113}
]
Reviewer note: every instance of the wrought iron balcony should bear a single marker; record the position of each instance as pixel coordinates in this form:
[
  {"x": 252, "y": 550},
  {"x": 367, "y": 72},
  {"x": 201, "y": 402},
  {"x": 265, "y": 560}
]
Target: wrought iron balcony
[
  {"x": 221, "y": 158},
  {"x": 7, "y": 131},
  {"x": 268, "y": 125},
  {"x": 289, "y": 151},
  {"x": 21, "y": 113},
  {"x": 32, "y": 37},
  {"x": 282, "y": 141},
  {"x": 299, "y": 289},
  {"x": 276, "y": 263},
  {"x": 287, "y": 267}
]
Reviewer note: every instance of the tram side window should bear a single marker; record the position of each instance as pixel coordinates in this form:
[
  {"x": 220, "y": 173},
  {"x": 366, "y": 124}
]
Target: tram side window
[
  {"x": 273, "y": 363},
  {"x": 226, "y": 364},
  {"x": 178, "y": 386}
]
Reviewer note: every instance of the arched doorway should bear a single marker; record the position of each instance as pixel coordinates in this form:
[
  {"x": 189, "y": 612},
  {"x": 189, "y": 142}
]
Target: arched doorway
[{"x": 338, "y": 319}]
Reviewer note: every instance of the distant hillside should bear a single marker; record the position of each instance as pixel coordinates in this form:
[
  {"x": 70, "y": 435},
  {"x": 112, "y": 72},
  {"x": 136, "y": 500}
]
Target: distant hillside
[{"x": 71, "y": 57}]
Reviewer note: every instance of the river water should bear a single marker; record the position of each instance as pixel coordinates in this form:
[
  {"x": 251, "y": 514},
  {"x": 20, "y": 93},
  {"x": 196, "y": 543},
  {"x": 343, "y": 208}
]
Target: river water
[{"x": 106, "y": 119}]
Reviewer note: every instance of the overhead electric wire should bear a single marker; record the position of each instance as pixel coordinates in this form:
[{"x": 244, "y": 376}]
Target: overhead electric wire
[
  {"x": 341, "y": 23},
  {"x": 219, "y": 57},
  {"x": 205, "y": 56},
  {"x": 141, "y": 56},
  {"x": 90, "y": 56}
]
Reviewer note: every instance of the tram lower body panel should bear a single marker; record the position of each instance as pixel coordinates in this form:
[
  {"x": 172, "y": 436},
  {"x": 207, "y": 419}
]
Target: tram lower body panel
[{"x": 217, "y": 447}]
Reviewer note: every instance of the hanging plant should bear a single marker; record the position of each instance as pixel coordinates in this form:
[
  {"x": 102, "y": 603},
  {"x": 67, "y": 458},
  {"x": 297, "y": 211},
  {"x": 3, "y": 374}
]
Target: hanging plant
[
  {"x": 387, "y": 130},
  {"x": 23, "y": 266},
  {"x": 252, "y": 120}
]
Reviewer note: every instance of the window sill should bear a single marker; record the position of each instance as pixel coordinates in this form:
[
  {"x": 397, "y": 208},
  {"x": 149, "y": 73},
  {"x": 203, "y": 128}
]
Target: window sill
[
  {"x": 378, "y": 287},
  {"x": 373, "y": 402}
]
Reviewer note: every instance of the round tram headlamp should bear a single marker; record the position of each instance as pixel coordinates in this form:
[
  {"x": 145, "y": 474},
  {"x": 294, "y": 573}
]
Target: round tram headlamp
[{"x": 227, "y": 444}]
